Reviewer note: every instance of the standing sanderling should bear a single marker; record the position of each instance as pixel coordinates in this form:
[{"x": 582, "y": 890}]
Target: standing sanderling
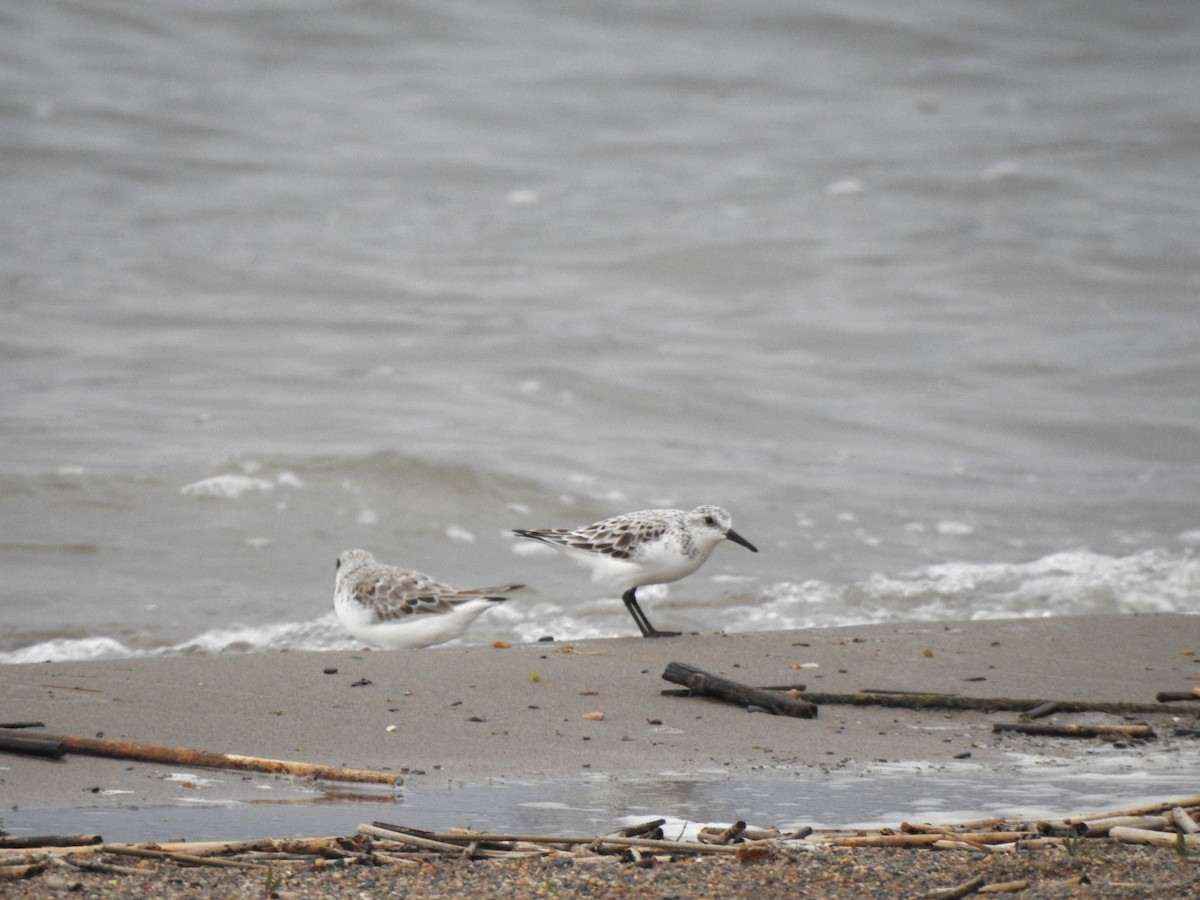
[
  {"x": 653, "y": 546},
  {"x": 396, "y": 608}
]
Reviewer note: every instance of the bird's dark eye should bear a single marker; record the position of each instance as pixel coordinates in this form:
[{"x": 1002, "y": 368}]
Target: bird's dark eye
[
  {"x": 338, "y": 565},
  {"x": 708, "y": 520}
]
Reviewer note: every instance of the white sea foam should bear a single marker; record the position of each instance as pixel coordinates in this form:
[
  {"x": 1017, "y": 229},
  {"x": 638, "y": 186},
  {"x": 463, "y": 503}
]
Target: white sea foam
[
  {"x": 1076, "y": 583},
  {"x": 226, "y": 487}
]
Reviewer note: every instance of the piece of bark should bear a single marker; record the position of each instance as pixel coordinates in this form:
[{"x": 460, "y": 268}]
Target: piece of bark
[
  {"x": 706, "y": 684},
  {"x": 205, "y": 759}
]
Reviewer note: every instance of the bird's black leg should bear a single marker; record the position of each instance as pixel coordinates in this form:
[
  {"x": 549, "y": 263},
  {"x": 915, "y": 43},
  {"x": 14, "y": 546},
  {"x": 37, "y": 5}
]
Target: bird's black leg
[{"x": 643, "y": 623}]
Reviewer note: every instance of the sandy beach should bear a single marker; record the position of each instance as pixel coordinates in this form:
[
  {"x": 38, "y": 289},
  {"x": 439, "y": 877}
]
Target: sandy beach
[
  {"x": 561, "y": 710},
  {"x": 476, "y": 713}
]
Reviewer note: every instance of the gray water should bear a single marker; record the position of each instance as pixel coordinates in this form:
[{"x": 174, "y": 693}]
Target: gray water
[{"x": 910, "y": 288}]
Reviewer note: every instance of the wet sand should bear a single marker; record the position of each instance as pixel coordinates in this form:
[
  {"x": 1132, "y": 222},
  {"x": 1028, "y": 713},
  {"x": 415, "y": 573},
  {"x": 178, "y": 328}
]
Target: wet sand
[{"x": 561, "y": 709}]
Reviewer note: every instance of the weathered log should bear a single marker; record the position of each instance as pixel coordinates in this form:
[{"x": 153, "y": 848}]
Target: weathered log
[
  {"x": 1185, "y": 823},
  {"x": 706, "y": 684},
  {"x": 32, "y": 746},
  {"x": 1101, "y": 827},
  {"x": 205, "y": 759},
  {"x": 11, "y": 842},
  {"x": 1155, "y": 838},
  {"x": 1144, "y": 732}
]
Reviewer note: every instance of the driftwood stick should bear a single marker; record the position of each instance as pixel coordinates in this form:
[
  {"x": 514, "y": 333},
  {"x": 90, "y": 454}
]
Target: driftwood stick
[
  {"x": 926, "y": 839},
  {"x": 1043, "y": 709},
  {"x": 913, "y": 700},
  {"x": 644, "y": 829},
  {"x": 962, "y": 890},
  {"x": 1081, "y": 731},
  {"x": 23, "y": 870},
  {"x": 704, "y": 683},
  {"x": 1148, "y": 809},
  {"x": 1155, "y": 838},
  {"x": 205, "y": 759},
  {"x": 49, "y": 840},
  {"x": 187, "y": 859},
  {"x": 457, "y": 840},
  {"x": 1173, "y": 696},
  {"x": 32, "y": 746},
  {"x": 722, "y": 835},
  {"x": 406, "y": 836},
  {"x": 948, "y": 842},
  {"x": 1005, "y": 887},
  {"x": 1185, "y": 823},
  {"x": 91, "y": 864},
  {"x": 1101, "y": 827}
]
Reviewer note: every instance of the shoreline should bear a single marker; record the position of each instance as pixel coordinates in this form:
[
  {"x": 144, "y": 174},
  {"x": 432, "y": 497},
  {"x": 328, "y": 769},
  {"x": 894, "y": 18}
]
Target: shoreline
[{"x": 557, "y": 711}]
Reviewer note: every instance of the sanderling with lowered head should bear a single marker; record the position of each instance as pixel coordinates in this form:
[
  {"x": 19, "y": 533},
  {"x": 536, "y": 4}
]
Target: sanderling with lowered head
[
  {"x": 396, "y": 609},
  {"x": 653, "y": 546}
]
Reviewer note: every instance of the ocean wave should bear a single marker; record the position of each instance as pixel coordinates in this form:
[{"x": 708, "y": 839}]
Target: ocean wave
[
  {"x": 1076, "y": 582},
  {"x": 1068, "y": 583}
]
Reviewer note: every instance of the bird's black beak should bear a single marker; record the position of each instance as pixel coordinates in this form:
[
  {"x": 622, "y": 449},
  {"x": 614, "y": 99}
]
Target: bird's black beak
[{"x": 738, "y": 539}]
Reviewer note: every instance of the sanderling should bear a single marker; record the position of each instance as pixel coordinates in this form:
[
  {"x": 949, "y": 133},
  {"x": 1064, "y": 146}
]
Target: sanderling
[
  {"x": 653, "y": 546},
  {"x": 396, "y": 608}
]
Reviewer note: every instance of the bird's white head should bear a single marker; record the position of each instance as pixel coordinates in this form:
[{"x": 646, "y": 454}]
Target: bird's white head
[
  {"x": 351, "y": 561},
  {"x": 711, "y": 524}
]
